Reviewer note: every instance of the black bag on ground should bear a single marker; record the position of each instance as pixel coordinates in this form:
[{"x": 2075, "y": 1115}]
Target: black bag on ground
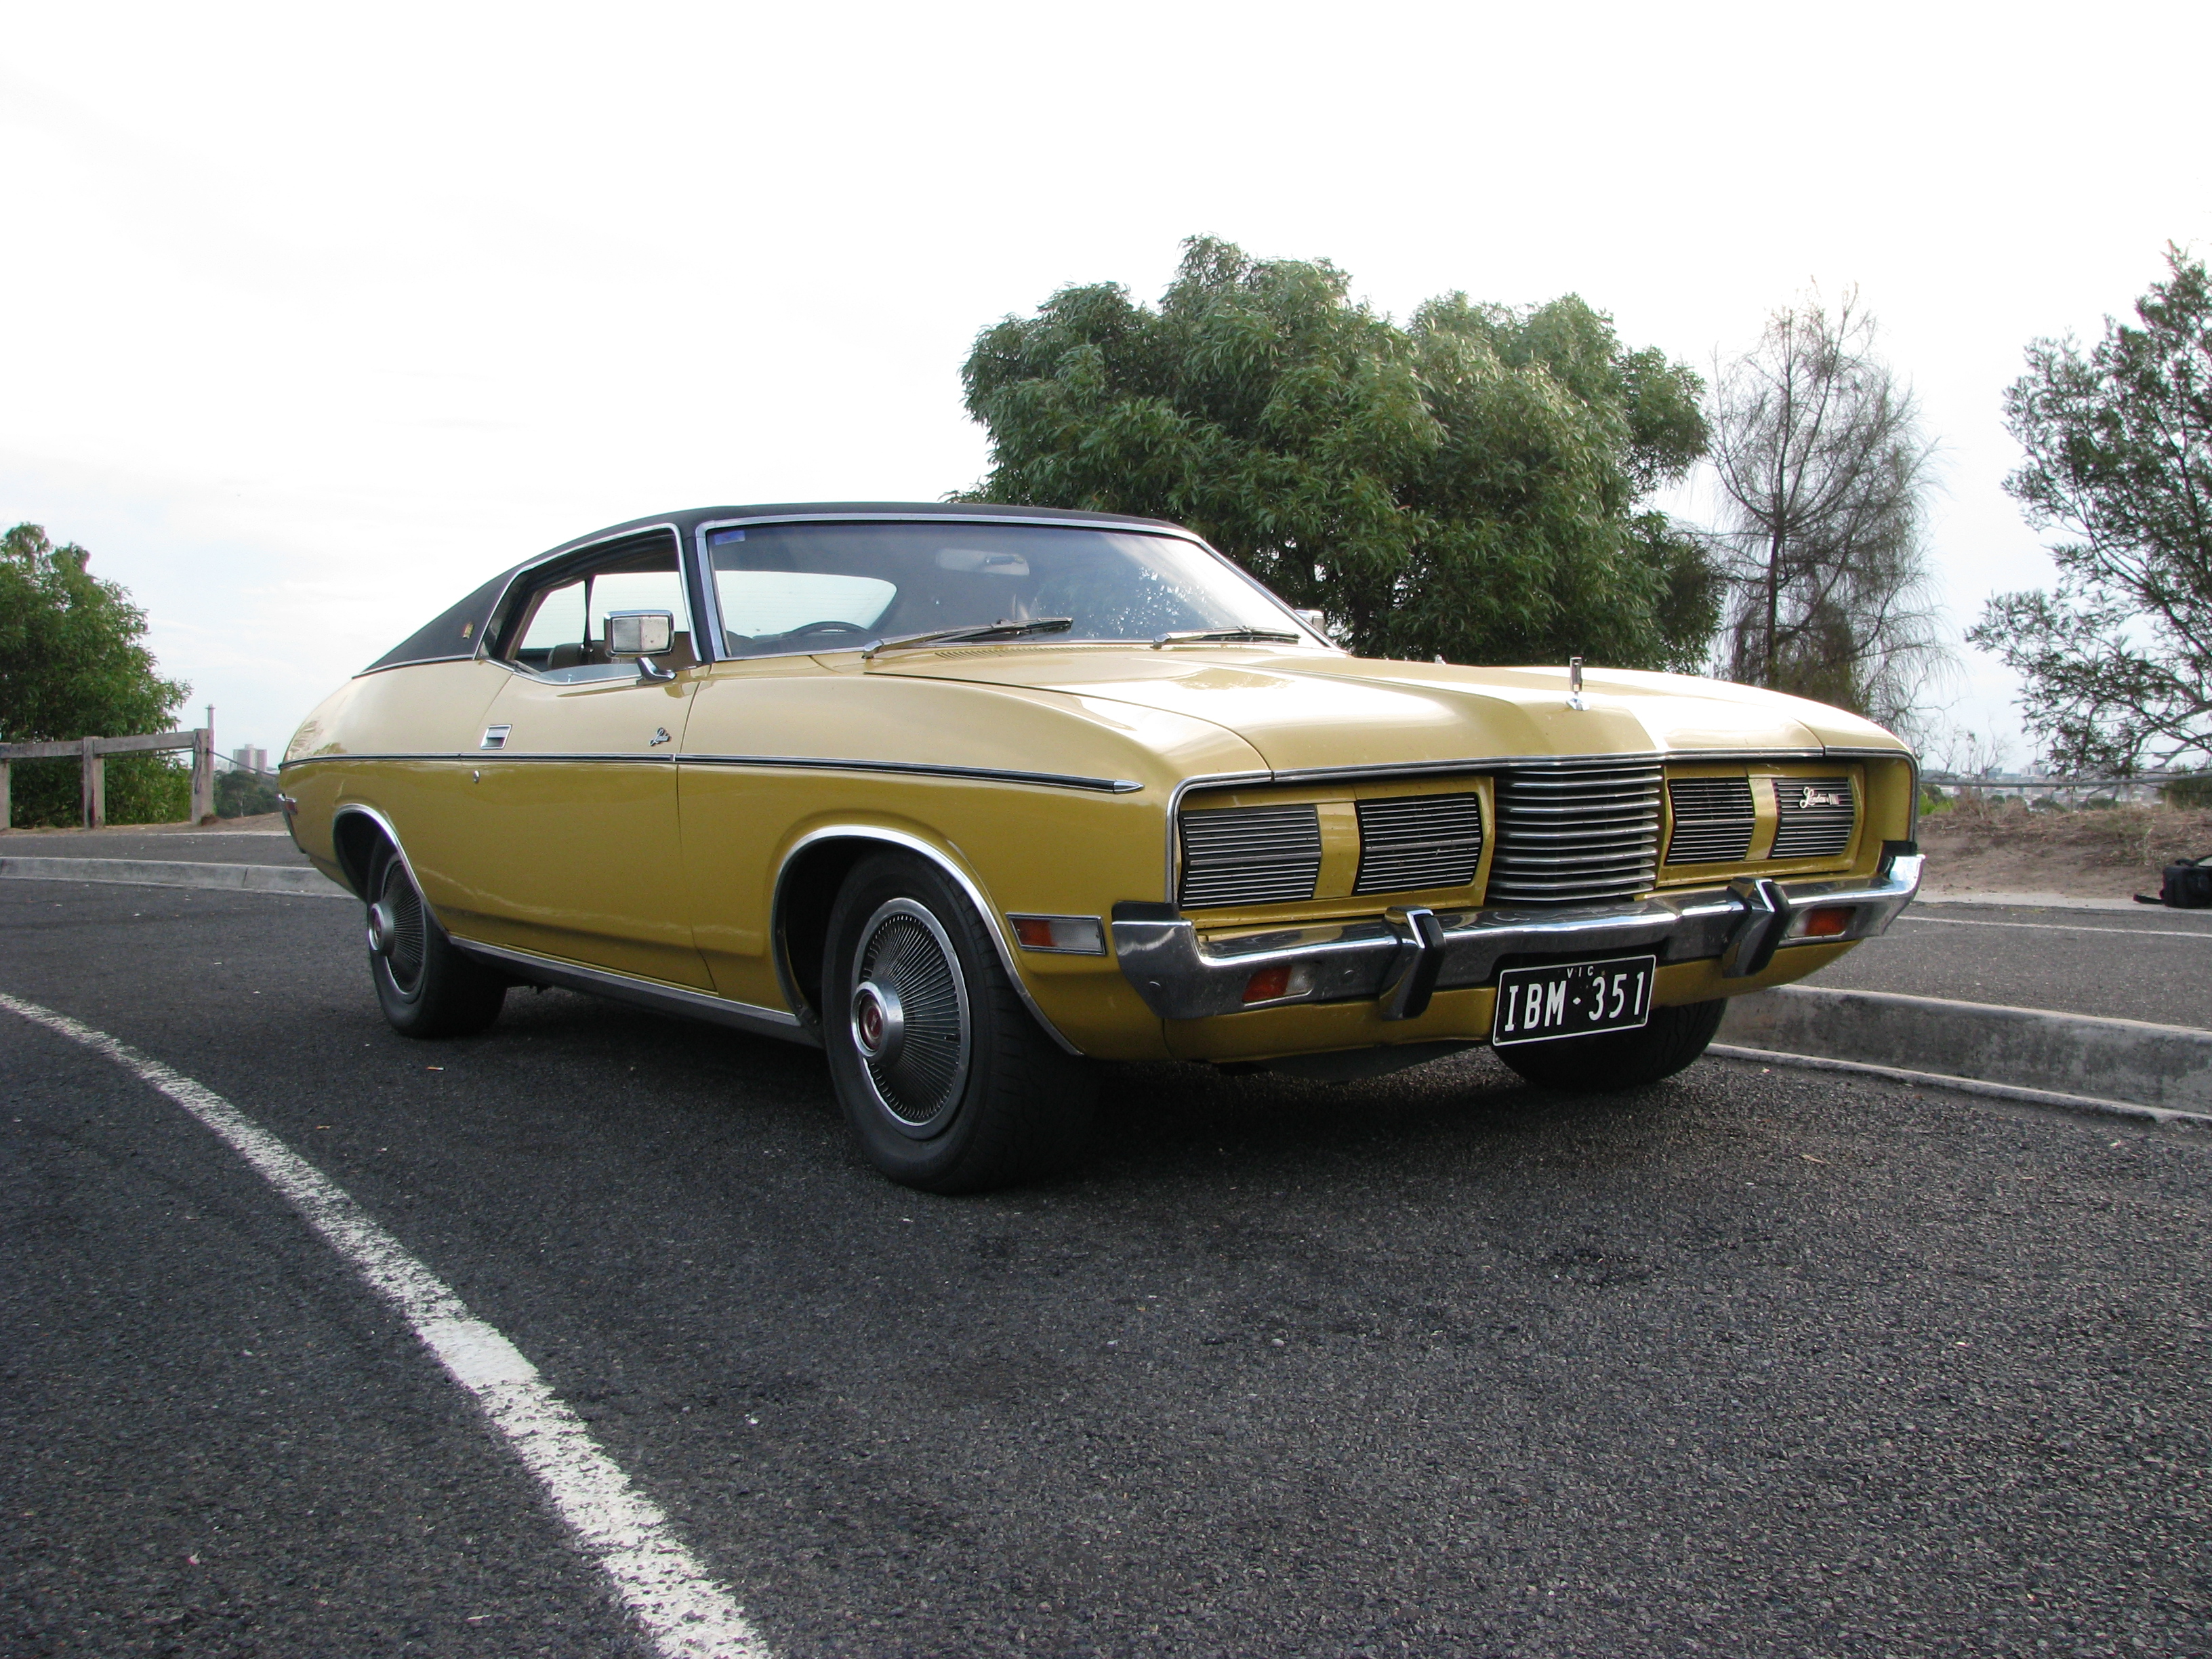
[{"x": 2187, "y": 885}]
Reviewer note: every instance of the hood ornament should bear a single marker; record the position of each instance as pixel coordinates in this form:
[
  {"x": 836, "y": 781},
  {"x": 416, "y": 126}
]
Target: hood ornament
[{"x": 1574, "y": 683}]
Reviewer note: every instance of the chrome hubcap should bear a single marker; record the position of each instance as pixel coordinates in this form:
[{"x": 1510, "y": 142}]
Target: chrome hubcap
[
  {"x": 878, "y": 1022},
  {"x": 909, "y": 1014},
  {"x": 396, "y": 929}
]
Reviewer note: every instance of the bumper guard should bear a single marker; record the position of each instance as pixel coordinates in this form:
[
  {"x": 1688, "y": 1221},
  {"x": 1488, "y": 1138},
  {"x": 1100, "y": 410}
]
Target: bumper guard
[{"x": 1404, "y": 957}]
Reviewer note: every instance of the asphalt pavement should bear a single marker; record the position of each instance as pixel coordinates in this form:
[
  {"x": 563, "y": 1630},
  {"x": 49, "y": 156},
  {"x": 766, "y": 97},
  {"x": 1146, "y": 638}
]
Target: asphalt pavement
[
  {"x": 2148, "y": 964},
  {"x": 1748, "y": 1362}
]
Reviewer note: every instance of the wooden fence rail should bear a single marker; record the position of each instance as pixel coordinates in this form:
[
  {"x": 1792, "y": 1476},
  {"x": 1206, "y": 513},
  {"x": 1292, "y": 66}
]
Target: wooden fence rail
[{"x": 91, "y": 755}]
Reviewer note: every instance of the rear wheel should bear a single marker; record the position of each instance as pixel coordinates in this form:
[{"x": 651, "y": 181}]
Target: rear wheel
[
  {"x": 427, "y": 986},
  {"x": 950, "y": 1085},
  {"x": 1619, "y": 1060}
]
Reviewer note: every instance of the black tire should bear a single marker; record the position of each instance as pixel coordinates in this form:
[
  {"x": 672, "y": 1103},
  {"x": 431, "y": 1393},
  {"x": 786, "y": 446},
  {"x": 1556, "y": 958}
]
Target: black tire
[
  {"x": 1619, "y": 1060},
  {"x": 428, "y": 987},
  {"x": 962, "y": 1090}
]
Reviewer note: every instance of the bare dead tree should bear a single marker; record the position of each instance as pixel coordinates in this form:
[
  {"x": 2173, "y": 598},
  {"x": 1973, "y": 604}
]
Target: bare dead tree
[{"x": 1824, "y": 472}]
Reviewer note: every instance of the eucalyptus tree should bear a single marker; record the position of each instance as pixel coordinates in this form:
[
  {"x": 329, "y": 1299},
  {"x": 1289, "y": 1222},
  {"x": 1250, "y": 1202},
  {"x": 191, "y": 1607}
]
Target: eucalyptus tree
[
  {"x": 2118, "y": 658},
  {"x": 1824, "y": 472}
]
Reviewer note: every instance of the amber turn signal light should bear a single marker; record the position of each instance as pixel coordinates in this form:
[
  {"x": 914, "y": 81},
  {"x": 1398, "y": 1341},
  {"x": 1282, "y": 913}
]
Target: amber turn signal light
[
  {"x": 1076, "y": 936},
  {"x": 1829, "y": 921},
  {"x": 1268, "y": 984}
]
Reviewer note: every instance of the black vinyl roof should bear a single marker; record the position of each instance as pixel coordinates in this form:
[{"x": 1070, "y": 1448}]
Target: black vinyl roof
[{"x": 455, "y": 633}]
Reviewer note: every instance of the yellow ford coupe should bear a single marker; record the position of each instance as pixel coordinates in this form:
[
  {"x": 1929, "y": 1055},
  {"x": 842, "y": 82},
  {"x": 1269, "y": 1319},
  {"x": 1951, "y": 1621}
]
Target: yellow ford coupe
[{"x": 969, "y": 796}]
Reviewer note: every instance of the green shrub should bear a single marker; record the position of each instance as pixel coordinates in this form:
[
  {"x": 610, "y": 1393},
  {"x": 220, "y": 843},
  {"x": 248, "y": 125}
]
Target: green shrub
[
  {"x": 243, "y": 795},
  {"x": 141, "y": 789}
]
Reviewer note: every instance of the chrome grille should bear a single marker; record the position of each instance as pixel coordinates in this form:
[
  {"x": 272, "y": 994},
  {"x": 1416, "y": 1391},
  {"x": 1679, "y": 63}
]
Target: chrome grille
[
  {"x": 1816, "y": 815},
  {"x": 1250, "y": 854},
  {"x": 1418, "y": 841},
  {"x": 1570, "y": 834},
  {"x": 1713, "y": 819}
]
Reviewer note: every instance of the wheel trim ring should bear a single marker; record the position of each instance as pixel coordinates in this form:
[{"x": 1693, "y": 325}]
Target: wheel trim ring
[
  {"x": 402, "y": 960},
  {"x": 903, "y": 945}
]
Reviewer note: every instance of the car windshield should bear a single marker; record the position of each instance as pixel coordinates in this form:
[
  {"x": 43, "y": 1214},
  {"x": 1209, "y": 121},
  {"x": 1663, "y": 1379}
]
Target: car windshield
[{"x": 786, "y": 587}]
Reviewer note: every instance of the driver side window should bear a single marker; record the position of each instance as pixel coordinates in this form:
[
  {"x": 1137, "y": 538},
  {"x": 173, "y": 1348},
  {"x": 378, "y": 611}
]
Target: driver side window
[{"x": 559, "y": 621}]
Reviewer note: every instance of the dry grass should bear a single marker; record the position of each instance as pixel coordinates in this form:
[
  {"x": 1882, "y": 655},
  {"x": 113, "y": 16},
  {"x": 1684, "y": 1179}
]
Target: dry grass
[{"x": 2005, "y": 847}]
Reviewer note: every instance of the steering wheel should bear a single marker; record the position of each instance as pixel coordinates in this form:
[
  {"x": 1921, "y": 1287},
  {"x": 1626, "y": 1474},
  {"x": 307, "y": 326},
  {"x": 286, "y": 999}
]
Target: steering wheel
[{"x": 828, "y": 625}]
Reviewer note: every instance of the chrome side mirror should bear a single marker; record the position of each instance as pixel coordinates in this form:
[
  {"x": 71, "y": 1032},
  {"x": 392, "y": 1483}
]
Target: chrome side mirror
[{"x": 639, "y": 633}]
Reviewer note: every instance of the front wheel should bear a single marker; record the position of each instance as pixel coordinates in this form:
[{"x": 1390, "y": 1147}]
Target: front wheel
[
  {"x": 949, "y": 1083},
  {"x": 1619, "y": 1060},
  {"x": 427, "y": 986}
]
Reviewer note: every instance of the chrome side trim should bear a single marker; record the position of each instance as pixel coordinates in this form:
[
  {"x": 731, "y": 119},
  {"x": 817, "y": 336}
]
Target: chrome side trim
[
  {"x": 421, "y": 662},
  {"x": 647, "y": 992},
  {"x": 492, "y": 757},
  {"x": 912, "y": 844},
  {"x": 923, "y": 768},
  {"x": 1182, "y": 975}
]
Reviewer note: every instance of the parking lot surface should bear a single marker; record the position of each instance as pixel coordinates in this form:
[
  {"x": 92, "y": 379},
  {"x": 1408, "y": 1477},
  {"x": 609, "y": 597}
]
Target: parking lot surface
[
  {"x": 1749, "y": 1363},
  {"x": 2149, "y": 963}
]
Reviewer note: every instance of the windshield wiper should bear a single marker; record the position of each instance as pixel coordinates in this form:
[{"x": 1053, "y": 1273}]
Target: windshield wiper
[
  {"x": 974, "y": 634},
  {"x": 1224, "y": 636}
]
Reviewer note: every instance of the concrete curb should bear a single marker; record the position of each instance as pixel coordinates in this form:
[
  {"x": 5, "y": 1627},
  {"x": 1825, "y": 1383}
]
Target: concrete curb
[
  {"x": 2116, "y": 1062},
  {"x": 2035, "y": 901},
  {"x": 295, "y": 878},
  {"x": 2088, "y": 1105}
]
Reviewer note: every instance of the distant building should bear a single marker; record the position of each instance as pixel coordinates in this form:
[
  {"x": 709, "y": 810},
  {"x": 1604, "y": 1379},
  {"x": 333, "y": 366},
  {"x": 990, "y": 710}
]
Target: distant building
[{"x": 250, "y": 759}]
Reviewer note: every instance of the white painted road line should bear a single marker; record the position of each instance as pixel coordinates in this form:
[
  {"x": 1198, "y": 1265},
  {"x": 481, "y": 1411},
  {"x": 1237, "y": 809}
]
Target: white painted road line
[
  {"x": 687, "y": 1615},
  {"x": 2062, "y": 927}
]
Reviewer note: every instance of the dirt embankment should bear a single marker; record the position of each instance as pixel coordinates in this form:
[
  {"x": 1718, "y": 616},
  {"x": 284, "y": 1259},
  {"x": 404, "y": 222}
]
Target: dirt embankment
[{"x": 2105, "y": 854}]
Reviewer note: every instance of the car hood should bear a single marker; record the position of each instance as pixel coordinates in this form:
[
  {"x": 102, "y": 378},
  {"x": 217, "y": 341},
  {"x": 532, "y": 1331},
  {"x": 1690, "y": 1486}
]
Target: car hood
[{"x": 1303, "y": 710}]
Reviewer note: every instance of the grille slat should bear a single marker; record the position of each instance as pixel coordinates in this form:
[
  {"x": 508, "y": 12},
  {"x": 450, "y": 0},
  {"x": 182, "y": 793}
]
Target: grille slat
[
  {"x": 1817, "y": 816},
  {"x": 1575, "y": 836},
  {"x": 1713, "y": 820},
  {"x": 1414, "y": 842},
  {"x": 1250, "y": 855}
]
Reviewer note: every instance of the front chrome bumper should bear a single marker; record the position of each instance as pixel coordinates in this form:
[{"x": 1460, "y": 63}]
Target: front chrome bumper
[{"x": 1404, "y": 957}]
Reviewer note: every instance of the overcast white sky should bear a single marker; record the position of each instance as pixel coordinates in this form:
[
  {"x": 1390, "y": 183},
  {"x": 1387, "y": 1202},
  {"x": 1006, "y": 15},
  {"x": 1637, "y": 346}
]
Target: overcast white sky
[{"x": 316, "y": 316}]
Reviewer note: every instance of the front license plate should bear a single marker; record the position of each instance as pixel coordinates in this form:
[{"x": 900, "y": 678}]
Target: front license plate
[{"x": 1572, "y": 999}]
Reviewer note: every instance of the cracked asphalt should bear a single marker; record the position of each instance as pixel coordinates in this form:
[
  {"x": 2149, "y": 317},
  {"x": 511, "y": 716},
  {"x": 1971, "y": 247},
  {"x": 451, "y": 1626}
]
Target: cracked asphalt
[{"x": 1749, "y": 1363}]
